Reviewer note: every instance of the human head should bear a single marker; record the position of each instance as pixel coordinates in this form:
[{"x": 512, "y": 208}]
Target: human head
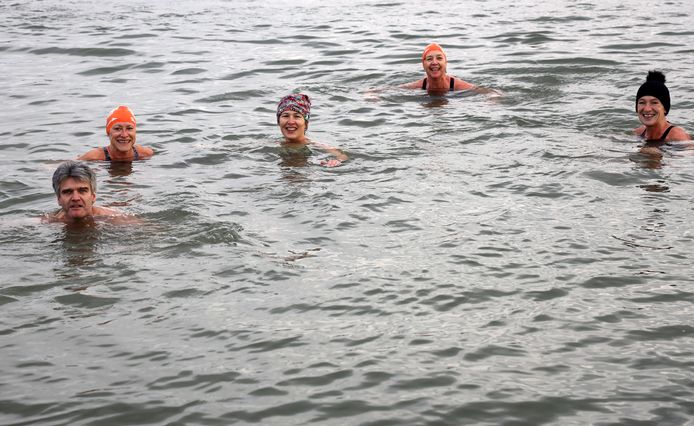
[
  {"x": 76, "y": 170},
  {"x": 433, "y": 47},
  {"x": 655, "y": 86},
  {"x": 299, "y": 103},
  {"x": 121, "y": 114}
]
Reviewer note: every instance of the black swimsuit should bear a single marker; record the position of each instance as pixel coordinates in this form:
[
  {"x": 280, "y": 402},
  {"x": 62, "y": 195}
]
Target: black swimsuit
[
  {"x": 662, "y": 138},
  {"x": 136, "y": 154},
  {"x": 452, "y": 84}
]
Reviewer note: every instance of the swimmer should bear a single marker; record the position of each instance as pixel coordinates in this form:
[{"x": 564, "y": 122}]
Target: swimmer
[
  {"x": 652, "y": 107},
  {"x": 74, "y": 184},
  {"x": 437, "y": 82},
  {"x": 121, "y": 128},
  {"x": 293, "y": 114}
]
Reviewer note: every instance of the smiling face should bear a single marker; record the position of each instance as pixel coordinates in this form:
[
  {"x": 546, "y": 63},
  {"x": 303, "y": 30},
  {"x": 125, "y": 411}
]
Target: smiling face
[
  {"x": 76, "y": 198},
  {"x": 122, "y": 137},
  {"x": 434, "y": 64},
  {"x": 293, "y": 126},
  {"x": 650, "y": 110}
]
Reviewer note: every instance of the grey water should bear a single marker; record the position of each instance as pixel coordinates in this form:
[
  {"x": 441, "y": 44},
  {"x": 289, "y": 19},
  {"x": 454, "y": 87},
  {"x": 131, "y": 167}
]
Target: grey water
[{"x": 507, "y": 260}]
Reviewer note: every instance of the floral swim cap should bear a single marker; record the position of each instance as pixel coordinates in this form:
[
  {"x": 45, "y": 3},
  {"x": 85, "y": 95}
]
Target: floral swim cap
[{"x": 299, "y": 103}]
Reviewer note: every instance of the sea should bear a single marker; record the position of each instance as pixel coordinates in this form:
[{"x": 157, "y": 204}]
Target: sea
[{"x": 501, "y": 259}]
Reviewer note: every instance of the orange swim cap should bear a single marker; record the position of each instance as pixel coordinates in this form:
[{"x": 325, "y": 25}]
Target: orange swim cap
[
  {"x": 432, "y": 48},
  {"x": 122, "y": 114}
]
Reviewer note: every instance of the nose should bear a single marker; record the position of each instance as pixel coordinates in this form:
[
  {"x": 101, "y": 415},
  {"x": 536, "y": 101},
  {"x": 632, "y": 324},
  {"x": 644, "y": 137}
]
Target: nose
[{"x": 75, "y": 195}]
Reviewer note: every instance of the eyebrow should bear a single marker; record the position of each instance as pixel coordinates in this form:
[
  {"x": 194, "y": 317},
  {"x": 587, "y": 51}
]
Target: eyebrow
[{"x": 79, "y": 188}]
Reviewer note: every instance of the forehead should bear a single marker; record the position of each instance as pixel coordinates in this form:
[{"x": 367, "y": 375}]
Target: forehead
[
  {"x": 434, "y": 53},
  {"x": 74, "y": 183},
  {"x": 291, "y": 111},
  {"x": 649, "y": 98},
  {"x": 123, "y": 124}
]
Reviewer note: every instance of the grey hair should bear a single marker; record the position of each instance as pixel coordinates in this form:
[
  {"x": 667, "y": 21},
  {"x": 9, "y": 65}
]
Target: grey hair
[{"x": 76, "y": 170}]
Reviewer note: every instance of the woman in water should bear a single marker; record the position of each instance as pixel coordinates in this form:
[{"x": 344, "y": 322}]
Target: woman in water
[
  {"x": 121, "y": 128},
  {"x": 652, "y": 107},
  {"x": 293, "y": 114},
  {"x": 437, "y": 82}
]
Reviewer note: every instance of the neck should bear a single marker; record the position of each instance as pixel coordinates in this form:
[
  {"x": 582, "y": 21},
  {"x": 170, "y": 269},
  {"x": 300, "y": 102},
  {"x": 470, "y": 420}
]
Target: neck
[
  {"x": 656, "y": 130},
  {"x": 296, "y": 141},
  {"x": 63, "y": 217},
  {"x": 120, "y": 155},
  {"x": 438, "y": 83}
]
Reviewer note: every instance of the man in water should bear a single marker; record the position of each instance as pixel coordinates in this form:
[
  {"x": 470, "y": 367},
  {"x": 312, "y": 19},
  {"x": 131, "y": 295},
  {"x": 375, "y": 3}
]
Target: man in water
[{"x": 74, "y": 184}]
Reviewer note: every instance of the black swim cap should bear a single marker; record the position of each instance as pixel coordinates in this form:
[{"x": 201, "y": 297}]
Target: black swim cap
[{"x": 655, "y": 86}]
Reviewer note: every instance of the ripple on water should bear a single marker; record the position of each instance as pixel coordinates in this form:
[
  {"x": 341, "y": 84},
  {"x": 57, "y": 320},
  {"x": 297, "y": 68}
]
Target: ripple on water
[{"x": 508, "y": 260}]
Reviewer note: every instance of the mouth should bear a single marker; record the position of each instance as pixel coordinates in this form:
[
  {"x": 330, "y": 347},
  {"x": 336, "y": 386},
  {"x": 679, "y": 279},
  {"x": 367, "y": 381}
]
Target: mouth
[{"x": 648, "y": 115}]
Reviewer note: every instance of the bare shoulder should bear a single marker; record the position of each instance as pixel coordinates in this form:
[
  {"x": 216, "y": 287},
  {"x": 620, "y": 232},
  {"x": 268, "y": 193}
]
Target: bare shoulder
[
  {"x": 413, "y": 85},
  {"x": 105, "y": 211},
  {"x": 53, "y": 217},
  {"x": 116, "y": 217},
  {"x": 639, "y": 130},
  {"x": 678, "y": 134},
  {"x": 96, "y": 154},
  {"x": 462, "y": 84},
  {"x": 144, "y": 151}
]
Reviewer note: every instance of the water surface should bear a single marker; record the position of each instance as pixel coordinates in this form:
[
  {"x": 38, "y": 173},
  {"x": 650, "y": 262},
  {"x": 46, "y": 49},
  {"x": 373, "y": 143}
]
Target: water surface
[{"x": 479, "y": 260}]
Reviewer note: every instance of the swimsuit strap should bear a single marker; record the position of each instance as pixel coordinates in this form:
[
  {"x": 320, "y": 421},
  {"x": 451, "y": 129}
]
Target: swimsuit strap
[
  {"x": 664, "y": 135},
  {"x": 136, "y": 154},
  {"x": 662, "y": 138},
  {"x": 451, "y": 85}
]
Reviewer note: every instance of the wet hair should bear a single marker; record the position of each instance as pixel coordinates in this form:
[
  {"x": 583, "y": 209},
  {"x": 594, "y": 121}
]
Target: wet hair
[
  {"x": 76, "y": 170},
  {"x": 655, "y": 86}
]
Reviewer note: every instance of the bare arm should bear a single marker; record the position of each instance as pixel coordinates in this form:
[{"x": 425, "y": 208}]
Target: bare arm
[
  {"x": 95, "y": 154},
  {"x": 414, "y": 85},
  {"x": 338, "y": 154},
  {"x": 464, "y": 85}
]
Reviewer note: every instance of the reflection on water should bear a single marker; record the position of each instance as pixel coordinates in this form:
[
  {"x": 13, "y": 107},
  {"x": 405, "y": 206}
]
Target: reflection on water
[
  {"x": 436, "y": 101},
  {"x": 655, "y": 187},
  {"x": 119, "y": 168},
  {"x": 294, "y": 157},
  {"x": 79, "y": 242}
]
